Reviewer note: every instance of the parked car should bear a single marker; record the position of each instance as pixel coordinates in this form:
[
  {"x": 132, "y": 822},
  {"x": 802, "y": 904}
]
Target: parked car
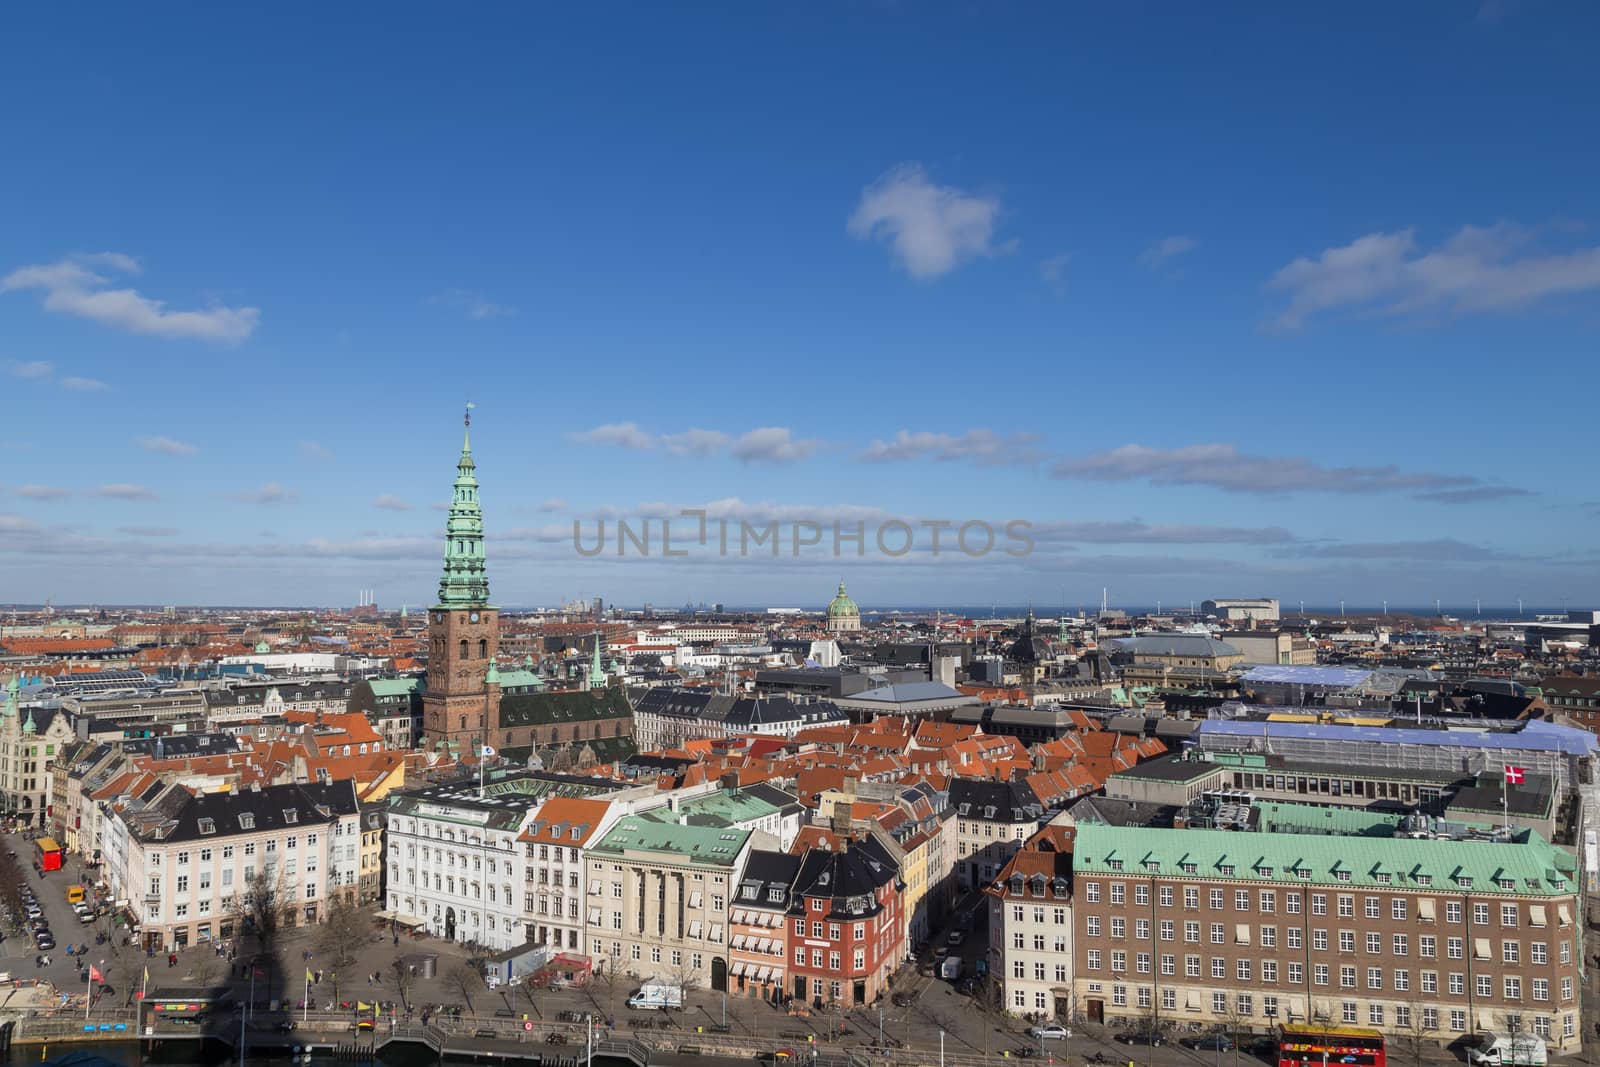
[
  {"x": 1265, "y": 1047},
  {"x": 902, "y": 1000},
  {"x": 1051, "y": 1032},
  {"x": 44, "y": 942},
  {"x": 1141, "y": 1037},
  {"x": 1209, "y": 1043}
]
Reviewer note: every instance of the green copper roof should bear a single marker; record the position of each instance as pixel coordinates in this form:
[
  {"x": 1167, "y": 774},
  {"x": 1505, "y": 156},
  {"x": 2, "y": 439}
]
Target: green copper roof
[
  {"x": 597, "y": 673},
  {"x": 519, "y": 679},
  {"x": 658, "y": 831},
  {"x": 1532, "y": 866},
  {"x": 464, "y": 582},
  {"x": 841, "y": 604},
  {"x": 393, "y": 687}
]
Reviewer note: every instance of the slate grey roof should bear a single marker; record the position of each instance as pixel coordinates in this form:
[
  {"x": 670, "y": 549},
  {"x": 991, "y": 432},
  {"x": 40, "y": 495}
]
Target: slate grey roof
[
  {"x": 209, "y": 816},
  {"x": 1171, "y": 645}
]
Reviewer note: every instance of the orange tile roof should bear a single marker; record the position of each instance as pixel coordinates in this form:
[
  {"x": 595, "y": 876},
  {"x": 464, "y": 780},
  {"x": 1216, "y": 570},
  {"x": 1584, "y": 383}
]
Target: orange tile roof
[{"x": 558, "y": 815}]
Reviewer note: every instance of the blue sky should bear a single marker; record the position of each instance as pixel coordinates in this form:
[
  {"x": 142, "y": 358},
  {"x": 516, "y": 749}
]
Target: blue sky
[{"x": 1249, "y": 299}]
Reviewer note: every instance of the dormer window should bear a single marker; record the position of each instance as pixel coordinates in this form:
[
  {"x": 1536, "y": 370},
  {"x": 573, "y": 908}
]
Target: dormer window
[
  {"x": 1265, "y": 872},
  {"x": 1115, "y": 865},
  {"x": 247, "y": 820},
  {"x": 208, "y": 826},
  {"x": 1465, "y": 881},
  {"x": 1226, "y": 870},
  {"x": 291, "y": 815},
  {"x": 1189, "y": 868}
]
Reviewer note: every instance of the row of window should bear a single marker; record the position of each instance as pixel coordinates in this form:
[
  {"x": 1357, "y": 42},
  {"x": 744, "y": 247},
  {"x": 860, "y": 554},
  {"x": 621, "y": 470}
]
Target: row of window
[
  {"x": 1243, "y": 1005},
  {"x": 1375, "y": 944},
  {"x": 1266, "y": 901},
  {"x": 858, "y": 962},
  {"x": 1321, "y": 974}
]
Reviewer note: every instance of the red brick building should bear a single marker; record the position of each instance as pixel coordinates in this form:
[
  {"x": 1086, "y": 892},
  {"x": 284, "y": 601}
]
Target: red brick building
[{"x": 846, "y": 931}]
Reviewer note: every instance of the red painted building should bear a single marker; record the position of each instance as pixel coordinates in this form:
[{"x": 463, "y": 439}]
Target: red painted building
[{"x": 845, "y": 931}]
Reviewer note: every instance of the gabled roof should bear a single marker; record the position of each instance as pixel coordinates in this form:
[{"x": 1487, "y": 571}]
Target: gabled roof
[{"x": 569, "y": 821}]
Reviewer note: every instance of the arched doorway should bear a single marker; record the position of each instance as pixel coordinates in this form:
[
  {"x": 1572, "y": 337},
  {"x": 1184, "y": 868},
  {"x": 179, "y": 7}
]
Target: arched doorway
[
  {"x": 449, "y": 924},
  {"x": 719, "y": 974}
]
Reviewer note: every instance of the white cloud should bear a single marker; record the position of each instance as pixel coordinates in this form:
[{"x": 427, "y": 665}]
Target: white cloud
[
  {"x": 72, "y": 287},
  {"x": 1223, "y": 466},
  {"x": 1474, "y": 495},
  {"x": 1051, "y": 270},
  {"x": 312, "y": 450},
  {"x": 271, "y": 493},
  {"x": 43, "y": 492},
  {"x": 980, "y": 446},
  {"x": 1165, "y": 249},
  {"x": 148, "y": 531},
  {"x": 695, "y": 442},
  {"x": 1479, "y": 269},
  {"x": 166, "y": 446},
  {"x": 931, "y": 229},
  {"x": 1442, "y": 550},
  {"x": 555, "y": 503},
  {"x": 391, "y": 503},
  {"x": 1135, "y": 532},
  {"x": 475, "y": 305},
  {"x": 621, "y": 434},
  {"x": 84, "y": 385},
  {"x": 772, "y": 444},
  {"x": 124, "y": 491},
  {"x": 16, "y": 524},
  {"x": 34, "y": 370}
]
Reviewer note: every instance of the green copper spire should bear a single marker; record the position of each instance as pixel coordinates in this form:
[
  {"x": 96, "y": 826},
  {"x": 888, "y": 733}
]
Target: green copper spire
[
  {"x": 13, "y": 687},
  {"x": 28, "y": 727},
  {"x": 464, "y": 582},
  {"x": 492, "y": 675},
  {"x": 597, "y": 673}
]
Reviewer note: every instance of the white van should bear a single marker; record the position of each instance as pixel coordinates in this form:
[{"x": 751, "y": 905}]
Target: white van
[{"x": 1503, "y": 1050}]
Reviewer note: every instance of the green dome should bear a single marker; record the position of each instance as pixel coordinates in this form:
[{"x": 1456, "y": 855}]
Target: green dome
[{"x": 841, "y": 605}]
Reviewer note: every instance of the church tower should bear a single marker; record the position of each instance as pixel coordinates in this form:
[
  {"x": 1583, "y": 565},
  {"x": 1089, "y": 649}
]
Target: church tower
[{"x": 463, "y": 630}]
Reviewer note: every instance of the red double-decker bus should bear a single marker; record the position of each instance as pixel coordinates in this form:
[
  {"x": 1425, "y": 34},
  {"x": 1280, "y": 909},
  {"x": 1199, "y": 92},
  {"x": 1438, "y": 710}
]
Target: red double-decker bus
[
  {"x": 1326, "y": 1046},
  {"x": 47, "y": 854}
]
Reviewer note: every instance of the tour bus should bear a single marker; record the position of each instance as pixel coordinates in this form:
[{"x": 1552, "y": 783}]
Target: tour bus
[
  {"x": 47, "y": 854},
  {"x": 1325, "y": 1046}
]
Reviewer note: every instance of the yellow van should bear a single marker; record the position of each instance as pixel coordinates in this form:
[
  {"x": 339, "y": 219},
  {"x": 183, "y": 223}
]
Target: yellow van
[{"x": 74, "y": 894}]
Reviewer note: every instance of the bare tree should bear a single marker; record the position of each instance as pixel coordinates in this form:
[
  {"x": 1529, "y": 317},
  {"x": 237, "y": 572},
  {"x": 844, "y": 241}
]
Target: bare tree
[
  {"x": 403, "y": 979},
  {"x": 683, "y": 977},
  {"x": 609, "y": 977},
  {"x": 1415, "y": 1036},
  {"x": 124, "y": 967},
  {"x": 344, "y": 926},
  {"x": 464, "y": 979},
  {"x": 1234, "y": 1023},
  {"x": 262, "y": 910}
]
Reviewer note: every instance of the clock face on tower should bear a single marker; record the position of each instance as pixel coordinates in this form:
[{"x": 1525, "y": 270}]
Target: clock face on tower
[{"x": 474, "y": 616}]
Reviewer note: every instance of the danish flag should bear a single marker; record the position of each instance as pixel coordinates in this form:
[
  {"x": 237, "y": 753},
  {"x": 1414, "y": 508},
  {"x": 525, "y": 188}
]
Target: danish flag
[{"x": 1514, "y": 775}]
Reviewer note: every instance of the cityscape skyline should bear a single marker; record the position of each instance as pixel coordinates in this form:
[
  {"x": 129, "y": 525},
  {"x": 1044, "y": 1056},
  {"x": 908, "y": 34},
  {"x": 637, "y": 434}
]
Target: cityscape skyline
[{"x": 980, "y": 297}]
